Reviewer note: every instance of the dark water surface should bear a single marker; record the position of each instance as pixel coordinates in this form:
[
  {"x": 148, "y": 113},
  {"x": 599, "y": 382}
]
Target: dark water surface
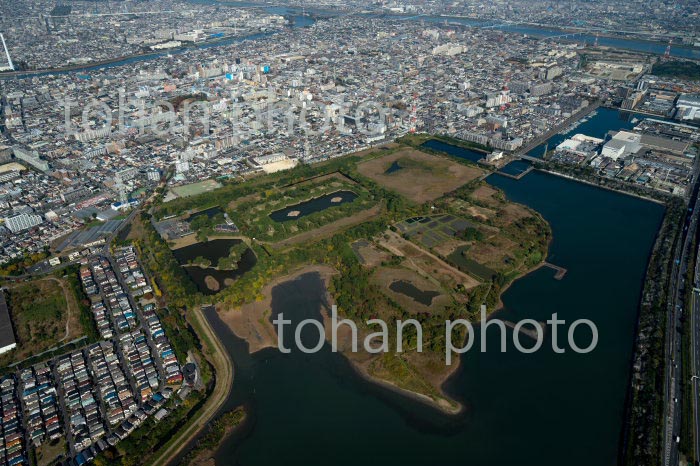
[
  {"x": 314, "y": 205},
  {"x": 407, "y": 288},
  {"x": 456, "y": 151},
  {"x": 213, "y": 250}
]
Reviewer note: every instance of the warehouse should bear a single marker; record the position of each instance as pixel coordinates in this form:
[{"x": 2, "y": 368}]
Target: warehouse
[{"x": 7, "y": 334}]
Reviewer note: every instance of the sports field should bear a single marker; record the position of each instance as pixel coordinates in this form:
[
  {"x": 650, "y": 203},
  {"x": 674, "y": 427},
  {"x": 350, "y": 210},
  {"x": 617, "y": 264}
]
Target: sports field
[{"x": 194, "y": 189}]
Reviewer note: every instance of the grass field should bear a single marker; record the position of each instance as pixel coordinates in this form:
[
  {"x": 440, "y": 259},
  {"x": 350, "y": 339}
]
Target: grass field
[
  {"x": 254, "y": 220},
  {"x": 49, "y": 451},
  {"x": 44, "y": 313},
  {"x": 418, "y": 176},
  {"x": 194, "y": 189},
  {"x": 391, "y": 245}
]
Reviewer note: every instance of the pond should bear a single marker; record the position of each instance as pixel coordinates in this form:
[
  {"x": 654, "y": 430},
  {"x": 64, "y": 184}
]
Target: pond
[
  {"x": 314, "y": 205},
  {"x": 407, "y": 288},
  {"x": 210, "y": 213},
  {"x": 393, "y": 168},
  {"x": 465, "y": 264},
  {"x": 209, "y": 280}
]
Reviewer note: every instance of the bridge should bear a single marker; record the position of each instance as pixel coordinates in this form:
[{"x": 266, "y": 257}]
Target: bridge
[
  {"x": 569, "y": 35},
  {"x": 496, "y": 26},
  {"x": 530, "y": 158},
  {"x": 131, "y": 13}
]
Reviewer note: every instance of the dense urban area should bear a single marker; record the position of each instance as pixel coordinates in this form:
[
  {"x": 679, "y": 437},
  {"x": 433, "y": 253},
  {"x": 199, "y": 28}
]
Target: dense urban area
[{"x": 162, "y": 159}]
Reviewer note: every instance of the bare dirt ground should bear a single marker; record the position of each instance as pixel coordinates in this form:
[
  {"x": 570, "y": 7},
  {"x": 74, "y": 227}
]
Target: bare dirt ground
[
  {"x": 422, "y": 177},
  {"x": 513, "y": 212},
  {"x": 483, "y": 193},
  {"x": 493, "y": 254},
  {"x": 427, "y": 264}
]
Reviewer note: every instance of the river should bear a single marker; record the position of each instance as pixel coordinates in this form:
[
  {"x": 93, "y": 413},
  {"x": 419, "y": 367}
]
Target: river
[
  {"x": 301, "y": 19},
  {"x": 615, "y": 42},
  {"x": 541, "y": 409},
  {"x": 298, "y": 21}
]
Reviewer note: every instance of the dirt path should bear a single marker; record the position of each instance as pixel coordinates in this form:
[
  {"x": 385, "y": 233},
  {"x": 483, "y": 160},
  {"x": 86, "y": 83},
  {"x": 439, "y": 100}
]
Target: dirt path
[
  {"x": 469, "y": 281},
  {"x": 72, "y": 309}
]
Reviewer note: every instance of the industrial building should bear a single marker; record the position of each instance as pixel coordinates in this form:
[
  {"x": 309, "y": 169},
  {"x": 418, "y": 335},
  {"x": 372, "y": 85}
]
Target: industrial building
[
  {"x": 7, "y": 334},
  {"x": 22, "y": 222}
]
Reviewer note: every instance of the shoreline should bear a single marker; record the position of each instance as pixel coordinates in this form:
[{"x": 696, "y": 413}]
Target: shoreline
[
  {"x": 224, "y": 377},
  {"x": 590, "y": 183},
  {"x": 249, "y": 322},
  {"x": 445, "y": 408},
  {"x": 206, "y": 456}
]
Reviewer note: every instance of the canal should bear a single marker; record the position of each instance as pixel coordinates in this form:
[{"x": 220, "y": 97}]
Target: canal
[{"x": 596, "y": 125}]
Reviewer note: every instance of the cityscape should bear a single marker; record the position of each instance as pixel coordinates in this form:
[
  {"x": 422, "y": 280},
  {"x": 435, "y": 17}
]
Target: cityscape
[{"x": 180, "y": 178}]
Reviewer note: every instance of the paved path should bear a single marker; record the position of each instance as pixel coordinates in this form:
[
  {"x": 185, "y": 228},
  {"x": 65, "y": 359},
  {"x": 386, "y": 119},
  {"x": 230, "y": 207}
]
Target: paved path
[{"x": 224, "y": 380}]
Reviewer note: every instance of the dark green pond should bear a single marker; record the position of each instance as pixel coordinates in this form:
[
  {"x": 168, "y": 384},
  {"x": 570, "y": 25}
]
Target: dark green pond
[
  {"x": 404, "y": 287},
  {"x": 311, "y": 206},
  {"x": 210, "y": 213},
  {"x": 465, "y": 264},
  {"x": 394, "y": 167},
  {"x": 542, "y": 409},
  {"x": 213, "y": 250}
]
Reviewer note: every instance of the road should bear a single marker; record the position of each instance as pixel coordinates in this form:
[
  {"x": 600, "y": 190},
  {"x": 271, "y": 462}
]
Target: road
[
  {"x": 695, "y": 351},
  {"x": 695, "y": 322},
  {"x": 672, "y": 412}
]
